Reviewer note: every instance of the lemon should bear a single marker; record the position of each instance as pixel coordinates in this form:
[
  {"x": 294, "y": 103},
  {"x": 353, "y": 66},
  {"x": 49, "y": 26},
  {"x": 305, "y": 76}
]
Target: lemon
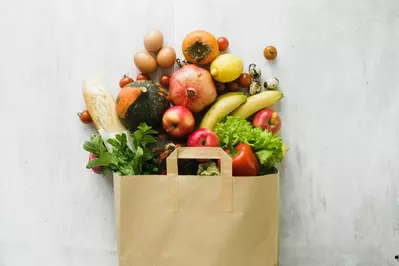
[{"x": 226, "y": 68}]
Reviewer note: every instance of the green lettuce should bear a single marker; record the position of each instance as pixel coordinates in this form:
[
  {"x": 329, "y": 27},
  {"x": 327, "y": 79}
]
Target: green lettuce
[{"x": 208, "y": 169}]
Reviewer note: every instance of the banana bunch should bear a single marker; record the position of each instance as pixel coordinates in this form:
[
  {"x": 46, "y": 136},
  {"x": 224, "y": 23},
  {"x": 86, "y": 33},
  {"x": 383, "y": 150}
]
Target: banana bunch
[{"x": 237, "y": 104}]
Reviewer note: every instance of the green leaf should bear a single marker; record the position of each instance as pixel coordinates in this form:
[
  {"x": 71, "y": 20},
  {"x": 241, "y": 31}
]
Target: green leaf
[
  {"x": 147, "y": 154},
  {"x": 151, "y": 132},
  {"x": 138, "y": 135},
  {"x": 95, "y": 145},
  {"x": 208, "y": 169},
  {"x": 114, "y": 143},
  {"x": 263, "y": 156},
  {"x": 143, "y": 127},
  {"x": 105, "y": 159},
  {"x": 148, "y": 140}
]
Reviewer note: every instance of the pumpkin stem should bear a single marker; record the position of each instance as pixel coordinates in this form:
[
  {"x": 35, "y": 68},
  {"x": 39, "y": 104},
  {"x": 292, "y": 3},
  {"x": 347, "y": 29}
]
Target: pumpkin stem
[
  {"x": 143, "y": 89},
  {"x": 191, "y": 92}
]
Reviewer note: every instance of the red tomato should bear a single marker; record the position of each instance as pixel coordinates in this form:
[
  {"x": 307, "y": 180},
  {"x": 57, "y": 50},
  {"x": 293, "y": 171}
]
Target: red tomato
[
  {"x": 143, "y": 76},
  {"x": 164, "y": 80},
  {"x": 270, "y": 52},
  {"x": 245, "y": 80},
  {"x": 232, "y": 86},
  {"x": 85, "y": 117},
  {"x": 125, "y": 80},
  {"x": 223, "y": 44}
]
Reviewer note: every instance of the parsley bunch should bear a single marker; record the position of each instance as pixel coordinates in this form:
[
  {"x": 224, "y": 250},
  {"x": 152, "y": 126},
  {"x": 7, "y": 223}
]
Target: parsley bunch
[{"x": 122, "y": 159}]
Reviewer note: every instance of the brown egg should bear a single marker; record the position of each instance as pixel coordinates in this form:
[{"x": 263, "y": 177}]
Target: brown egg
[
  {"x": 153, "y": 41},
  {"x": 166, "y": 57},
  {"x": 145, "y": 62}
]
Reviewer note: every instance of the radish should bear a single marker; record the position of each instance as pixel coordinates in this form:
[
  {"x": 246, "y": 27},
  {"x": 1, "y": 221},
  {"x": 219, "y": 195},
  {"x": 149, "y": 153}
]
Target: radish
[{"x": 96, "y": 169}]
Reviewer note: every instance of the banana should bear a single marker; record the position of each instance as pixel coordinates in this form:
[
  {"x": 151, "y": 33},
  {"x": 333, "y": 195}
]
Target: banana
[
  {"x": 257, "y": 102},
  {"x": 223, "y": 106}
]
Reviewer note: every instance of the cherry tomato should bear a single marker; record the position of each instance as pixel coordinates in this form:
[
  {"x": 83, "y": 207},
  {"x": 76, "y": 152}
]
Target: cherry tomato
[
  {"x": 220, "y": 87},
  {"x": 164, "y": 80},
  {"x": 223, "y": 44},
  {"x": 232, "y": 86},
  {"x": 143, "y": 76},
  {"x": 85, "y": 117},
  {"x": 245, "y": 80},
  {"x": 270, "y": 52},
  {"x": 125, "y": 80}
]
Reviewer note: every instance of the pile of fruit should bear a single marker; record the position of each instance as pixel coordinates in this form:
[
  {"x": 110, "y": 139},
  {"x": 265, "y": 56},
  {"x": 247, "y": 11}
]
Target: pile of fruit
[{"x": 209, "y": 101}]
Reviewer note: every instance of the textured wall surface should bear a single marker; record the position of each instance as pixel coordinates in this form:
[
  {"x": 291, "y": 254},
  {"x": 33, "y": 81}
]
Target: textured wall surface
[{"x": 338, "y": 66}]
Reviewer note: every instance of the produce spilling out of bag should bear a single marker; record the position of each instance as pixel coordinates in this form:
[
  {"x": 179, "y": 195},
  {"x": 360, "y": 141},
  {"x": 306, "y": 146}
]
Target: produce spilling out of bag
[{"x": 213, "y": 99}]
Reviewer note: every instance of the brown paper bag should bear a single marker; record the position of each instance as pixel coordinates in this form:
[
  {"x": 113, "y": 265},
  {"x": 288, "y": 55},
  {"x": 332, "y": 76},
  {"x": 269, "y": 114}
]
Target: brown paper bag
[{"x": 171, "y": 220}]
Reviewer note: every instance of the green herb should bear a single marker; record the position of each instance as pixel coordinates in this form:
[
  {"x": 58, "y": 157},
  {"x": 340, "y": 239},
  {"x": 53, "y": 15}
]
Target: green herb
[
  {"x": 123, "y": 160},
  {"x": 208, "y": 169},
  {"x": 268, "y": 148}
]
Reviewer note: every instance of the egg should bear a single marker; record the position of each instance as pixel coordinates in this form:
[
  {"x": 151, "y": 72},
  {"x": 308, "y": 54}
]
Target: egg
[
  {"x": 254, "y": 88},
  {"x": 271, "y": 83},
  {"x": 254, "y": 71},
  {"x": 145, "y": 62},
  {"x": 166, "y": 57},
  {"x": 153, "y": 41},
  {"x": 181, "y": 63}
]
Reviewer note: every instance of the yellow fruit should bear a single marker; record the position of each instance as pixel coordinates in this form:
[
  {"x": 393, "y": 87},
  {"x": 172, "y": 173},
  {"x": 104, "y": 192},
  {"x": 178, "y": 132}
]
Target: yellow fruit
[
  {"x": 257, "y": 102},
  {"x": 226, "y": 68},
  {"x": 223, "y": 106}
]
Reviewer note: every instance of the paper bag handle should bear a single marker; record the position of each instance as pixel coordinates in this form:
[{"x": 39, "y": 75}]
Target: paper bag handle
[{"x": 226, "y": 188}]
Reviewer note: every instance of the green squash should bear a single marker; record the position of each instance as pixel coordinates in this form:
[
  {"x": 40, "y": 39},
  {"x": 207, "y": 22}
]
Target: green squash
[{"x": 142, "y": 101}]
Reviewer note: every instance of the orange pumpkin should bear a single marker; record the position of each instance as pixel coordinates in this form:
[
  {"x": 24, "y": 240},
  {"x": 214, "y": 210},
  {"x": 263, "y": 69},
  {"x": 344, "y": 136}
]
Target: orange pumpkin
[
  {"x": 126, "y": 97},
  {"x": 200, "y": 47}
]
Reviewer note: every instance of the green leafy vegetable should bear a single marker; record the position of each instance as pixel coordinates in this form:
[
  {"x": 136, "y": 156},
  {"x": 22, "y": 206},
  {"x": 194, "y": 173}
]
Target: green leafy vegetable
[
  {"x": 268, "y": 148},
  {"x": 208, "y": 169},
  {"x": 122, "y": 159}
]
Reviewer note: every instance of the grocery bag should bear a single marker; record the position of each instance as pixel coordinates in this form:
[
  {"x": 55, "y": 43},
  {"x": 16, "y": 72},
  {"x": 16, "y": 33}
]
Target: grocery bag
[{"x": 172, "y": 220}]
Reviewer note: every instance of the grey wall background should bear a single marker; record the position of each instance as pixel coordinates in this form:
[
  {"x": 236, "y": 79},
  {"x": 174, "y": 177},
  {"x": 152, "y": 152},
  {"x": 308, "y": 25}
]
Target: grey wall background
[{"x": 338, "y": 66}]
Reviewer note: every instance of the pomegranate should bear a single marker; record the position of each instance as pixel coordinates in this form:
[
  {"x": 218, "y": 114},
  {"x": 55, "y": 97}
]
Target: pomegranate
[{"x": 192, "y": 86}]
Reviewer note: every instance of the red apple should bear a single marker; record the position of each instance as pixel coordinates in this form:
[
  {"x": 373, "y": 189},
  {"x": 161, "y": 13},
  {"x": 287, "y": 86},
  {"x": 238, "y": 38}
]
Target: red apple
[
  {"x": 268, "y": 119},
  {"x": 203, "y": 137},
  {"x": 178, "y": 121}
]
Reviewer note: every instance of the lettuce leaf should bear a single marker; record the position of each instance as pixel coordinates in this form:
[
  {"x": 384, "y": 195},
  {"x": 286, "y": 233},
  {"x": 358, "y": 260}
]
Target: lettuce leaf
[
  {"x": 268, "y": 148},
  {"x": 209, "y": 168}
]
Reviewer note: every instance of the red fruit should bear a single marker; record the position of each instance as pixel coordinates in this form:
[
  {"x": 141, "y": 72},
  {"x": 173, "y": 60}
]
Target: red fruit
[
  {"x": 268, "y": 119},
  {"x": 143, "y": 76},
  {"x": 125, "y": 80},
  {"x": 193, "y": 87},
  {"x": 164, "y": 80},
  {"x": 232, "y": 86},
  {"x": 270, "y": 52},
  {"x": 85, "y": 117},
  {"x": 245, "y": 80},
  {"x": 96, "y": 169},
  {"x": 203, "y": 137},
  {"x": 178, "y": 121},
  {"x": 223, "y": 44}
]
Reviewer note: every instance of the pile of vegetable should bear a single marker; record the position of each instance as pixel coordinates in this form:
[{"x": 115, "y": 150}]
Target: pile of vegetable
[{"x": 208, "y": 102}]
